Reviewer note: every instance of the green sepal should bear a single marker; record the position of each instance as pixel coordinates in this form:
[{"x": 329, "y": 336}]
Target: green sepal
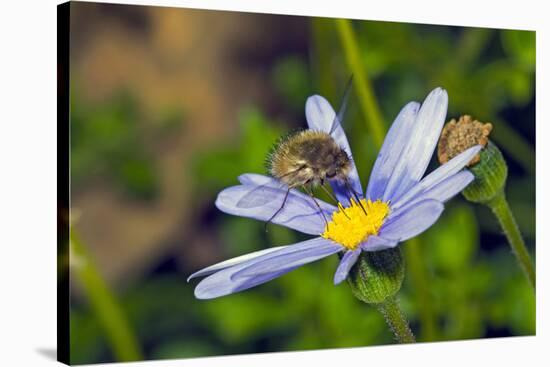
[
  {"x": 490, "y": 176},
  {"x": 377, "y": 276}
]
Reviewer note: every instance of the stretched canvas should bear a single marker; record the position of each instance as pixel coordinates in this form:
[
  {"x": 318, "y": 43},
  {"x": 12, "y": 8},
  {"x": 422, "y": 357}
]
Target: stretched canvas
[{"x": 235, "y": 183}]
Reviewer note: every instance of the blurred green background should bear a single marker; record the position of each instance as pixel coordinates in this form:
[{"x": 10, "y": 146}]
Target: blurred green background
[{"x": 169, "y": 106}]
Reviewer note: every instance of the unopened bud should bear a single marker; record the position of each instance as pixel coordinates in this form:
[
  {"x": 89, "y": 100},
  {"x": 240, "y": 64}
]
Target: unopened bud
[{"x": 377, "y": 276}]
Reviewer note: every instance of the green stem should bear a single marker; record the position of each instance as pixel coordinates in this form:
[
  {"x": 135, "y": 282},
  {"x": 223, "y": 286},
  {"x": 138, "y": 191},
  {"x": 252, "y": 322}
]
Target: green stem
[
  {"x": 373, "y": 117},
  {"x": 367, "y": 100},
  {"x": 109, "y": 313},
  {"x": 322, "y": 29},
  {"x": 515, "y": 145},
  {"x": 396, "y": 320},
  {"x": 502, "y": 211},
  {"x": 419, "y": 280},
  {"x": 472, "y": 42}
]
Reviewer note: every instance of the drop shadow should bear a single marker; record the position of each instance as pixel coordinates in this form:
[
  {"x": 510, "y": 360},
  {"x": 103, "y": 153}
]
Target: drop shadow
[{"x": 50, "y": 353}]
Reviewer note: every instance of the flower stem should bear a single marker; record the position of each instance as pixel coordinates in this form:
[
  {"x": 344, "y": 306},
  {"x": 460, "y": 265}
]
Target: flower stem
[
  {"x": 367, "y": 100},
  {"x": 515, "y": 145},
  {"x": 103, "y": 303},
  {"x": 502, "y": 211},
  {"x": 373, "y": 118},
  {"x": 396, "y": 320},
  {"x": 419, "y": 279},
  {"x": 321, "y": 30}
]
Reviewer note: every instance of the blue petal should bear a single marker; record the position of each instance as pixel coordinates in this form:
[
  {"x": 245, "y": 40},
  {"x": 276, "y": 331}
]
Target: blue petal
[
  {"x": 254, "y": 179},
  {"x": 292, "y": 256},
  {"x": 394, "y": 144},
  {"x": 232, "y": 262},
  {"x": 410, "y": 221},
  {"x": 299, "y": 212},
  {"x": 347, "y": 262},
  {"x": 443, "y": 191},
  {"x": 441, "y": 174},
  {"x": 320, "y": 116},
  {"x": 226, "y": 281},
  {"x": 422, "y": 141},
  {"x": 376, "y": 243},
  {"x": 220, "y": 283}
]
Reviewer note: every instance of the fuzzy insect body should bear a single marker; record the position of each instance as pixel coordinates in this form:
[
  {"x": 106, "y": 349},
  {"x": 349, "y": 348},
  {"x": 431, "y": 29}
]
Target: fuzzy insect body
[
  {"x": 305, "y": 159},
  {"x": 310, "y": 158}
]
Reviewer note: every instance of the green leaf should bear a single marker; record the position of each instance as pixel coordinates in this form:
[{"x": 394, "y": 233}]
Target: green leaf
[
  {"x": 291, "y": 79},
  {"x": 521, "y": 45},
  {"x": 454, "y": 240},
  {"x": 219, "y": 166},
  {"x": 184, "y": 348}
]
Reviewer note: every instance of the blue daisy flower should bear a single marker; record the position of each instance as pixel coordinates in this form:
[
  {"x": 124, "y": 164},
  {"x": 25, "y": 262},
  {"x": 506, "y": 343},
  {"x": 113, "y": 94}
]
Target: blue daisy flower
[{"x": 399, "y": 202}]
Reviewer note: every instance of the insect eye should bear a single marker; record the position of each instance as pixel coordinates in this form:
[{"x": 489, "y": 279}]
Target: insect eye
[{"x": 343, "y": 158}]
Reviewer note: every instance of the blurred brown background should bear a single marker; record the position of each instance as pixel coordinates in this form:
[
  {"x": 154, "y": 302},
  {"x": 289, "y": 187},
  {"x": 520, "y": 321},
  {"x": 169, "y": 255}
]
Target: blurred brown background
[{"x": 206, "y": 64}]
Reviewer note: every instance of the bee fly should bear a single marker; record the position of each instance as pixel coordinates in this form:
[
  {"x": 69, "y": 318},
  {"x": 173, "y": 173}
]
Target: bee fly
[{"x": 308, "y": 159}]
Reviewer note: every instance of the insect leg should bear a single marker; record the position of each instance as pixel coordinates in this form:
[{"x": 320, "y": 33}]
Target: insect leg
[
  {"x": 329, "y": 193},
  {"x": 278, "y": 210},
  {"x": 333, "y": 198},
  {"x": 348, "y": 186},
  {"x": 310, "y": 193}
]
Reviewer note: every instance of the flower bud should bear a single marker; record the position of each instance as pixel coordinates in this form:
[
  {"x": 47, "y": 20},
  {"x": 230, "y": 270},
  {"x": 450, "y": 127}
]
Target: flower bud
[
  {"x": 377, "y": 276},
  {"x": 489, "y": 168},
  {"x": 490, "y": 176}
]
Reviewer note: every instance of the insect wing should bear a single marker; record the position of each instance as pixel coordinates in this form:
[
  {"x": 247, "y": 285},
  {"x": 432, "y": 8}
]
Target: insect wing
[
  {"x": 338, "y": 118},
  {"x": 261, "y": 195}
]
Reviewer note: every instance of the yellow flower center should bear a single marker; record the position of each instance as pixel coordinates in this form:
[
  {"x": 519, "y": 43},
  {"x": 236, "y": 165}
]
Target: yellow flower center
[{"x": 350, "y": 226}]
